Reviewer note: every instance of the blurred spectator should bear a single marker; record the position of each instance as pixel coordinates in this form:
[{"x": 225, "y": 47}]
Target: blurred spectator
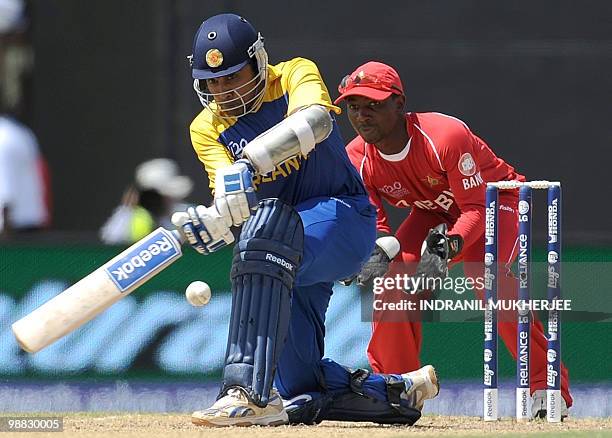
[
  {"x": 148, "y": 203},
  {"x": 24, "y": 182},
  {"x": 16, "y": 56},
  {"x": 11, "y": 15}
]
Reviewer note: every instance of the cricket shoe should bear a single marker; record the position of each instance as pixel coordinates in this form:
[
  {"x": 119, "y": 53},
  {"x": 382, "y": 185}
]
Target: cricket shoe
[
  {"x": 538, "y": 405},
  {"x": 421, "y": 385},
  {"x": 235, "y": 409}
]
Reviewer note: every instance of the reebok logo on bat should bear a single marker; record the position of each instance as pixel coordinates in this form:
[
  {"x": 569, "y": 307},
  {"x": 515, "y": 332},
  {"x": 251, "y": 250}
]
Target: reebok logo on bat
[
  {"x": 279, "y": 261},
  {"x": 142, "y": 260}
]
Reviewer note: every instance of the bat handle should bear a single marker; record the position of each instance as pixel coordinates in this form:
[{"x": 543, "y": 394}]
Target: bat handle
[{"x": 178, "y": 236}]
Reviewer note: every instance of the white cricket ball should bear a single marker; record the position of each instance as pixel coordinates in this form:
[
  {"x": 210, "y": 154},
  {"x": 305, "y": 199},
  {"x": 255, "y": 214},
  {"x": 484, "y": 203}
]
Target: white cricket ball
[{"x": 198, "y": 293}]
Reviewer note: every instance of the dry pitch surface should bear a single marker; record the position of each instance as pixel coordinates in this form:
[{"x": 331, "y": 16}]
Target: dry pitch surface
[{"x": 148, "y": 425}]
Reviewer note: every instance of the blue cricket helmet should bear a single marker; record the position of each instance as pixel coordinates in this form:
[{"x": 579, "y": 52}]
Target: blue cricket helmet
[{"x": 223, "y": 45}]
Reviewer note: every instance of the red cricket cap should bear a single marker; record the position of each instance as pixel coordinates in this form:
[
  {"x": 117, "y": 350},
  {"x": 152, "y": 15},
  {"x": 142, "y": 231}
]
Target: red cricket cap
[{"x": 374, "y": 80}]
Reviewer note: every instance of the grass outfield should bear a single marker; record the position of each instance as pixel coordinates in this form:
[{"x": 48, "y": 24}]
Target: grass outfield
[{"x": 147, "y": 425}]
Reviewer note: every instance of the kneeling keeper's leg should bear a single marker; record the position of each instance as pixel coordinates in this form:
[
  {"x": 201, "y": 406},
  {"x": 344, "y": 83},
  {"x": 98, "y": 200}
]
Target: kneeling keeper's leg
[{"x": 265, "y": 262}]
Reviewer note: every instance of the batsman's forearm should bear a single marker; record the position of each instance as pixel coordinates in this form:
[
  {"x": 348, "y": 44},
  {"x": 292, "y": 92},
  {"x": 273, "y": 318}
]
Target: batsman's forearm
[{"x": 297, "y": 134}]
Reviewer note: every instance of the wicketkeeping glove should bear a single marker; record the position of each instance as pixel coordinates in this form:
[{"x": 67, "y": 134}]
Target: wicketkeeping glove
[
  {"x": 377, "y": 265},
  {"x": 438, "y": 249}
]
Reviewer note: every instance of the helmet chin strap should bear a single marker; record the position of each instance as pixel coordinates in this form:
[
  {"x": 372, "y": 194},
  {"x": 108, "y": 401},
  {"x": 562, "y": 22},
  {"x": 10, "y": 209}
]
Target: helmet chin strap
[{"x": 257, "y": 51}]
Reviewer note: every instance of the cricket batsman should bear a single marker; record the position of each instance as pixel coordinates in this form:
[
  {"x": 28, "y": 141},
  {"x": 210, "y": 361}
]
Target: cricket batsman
[
  {"x": 436, "y": 166},
  {"x": 278, "y": 168}
]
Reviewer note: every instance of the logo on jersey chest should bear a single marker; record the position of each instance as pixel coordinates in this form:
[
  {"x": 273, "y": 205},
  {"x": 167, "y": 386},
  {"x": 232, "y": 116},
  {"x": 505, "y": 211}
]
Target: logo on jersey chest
[
  {"x": 282, "y": 170},
  {"x": 444, "y": 200},
  {"x": 432, "y": 181},
  {"x": 236, "y": 147},
  {"x": 394, "y": 190}
]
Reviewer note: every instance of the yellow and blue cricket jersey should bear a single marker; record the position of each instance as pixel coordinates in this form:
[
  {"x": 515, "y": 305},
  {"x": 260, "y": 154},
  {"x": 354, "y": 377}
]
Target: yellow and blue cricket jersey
[
  {"x": 328, "y": 194},
  {"x": 291, "y": 85}
]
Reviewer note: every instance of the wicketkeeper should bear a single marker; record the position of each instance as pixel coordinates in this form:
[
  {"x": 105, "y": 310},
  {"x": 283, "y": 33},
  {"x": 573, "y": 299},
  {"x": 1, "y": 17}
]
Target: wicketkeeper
[{"x": 436, "y": 166}]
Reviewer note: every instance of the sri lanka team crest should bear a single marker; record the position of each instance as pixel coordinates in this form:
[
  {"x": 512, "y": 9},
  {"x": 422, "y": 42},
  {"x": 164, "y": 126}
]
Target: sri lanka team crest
[
  {"x": 214, "y": 58},
  {"x": 467, "y": 166}
]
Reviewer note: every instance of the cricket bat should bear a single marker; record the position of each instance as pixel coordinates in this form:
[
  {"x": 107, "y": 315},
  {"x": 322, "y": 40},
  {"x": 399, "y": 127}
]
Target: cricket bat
[
  {"x": 297, "y": 134},
  {"x": 96, "y": 292}
]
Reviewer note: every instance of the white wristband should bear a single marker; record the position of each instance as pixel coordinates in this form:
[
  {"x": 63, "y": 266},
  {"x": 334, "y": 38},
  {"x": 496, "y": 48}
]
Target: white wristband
[{"x": 390, "y": 245}]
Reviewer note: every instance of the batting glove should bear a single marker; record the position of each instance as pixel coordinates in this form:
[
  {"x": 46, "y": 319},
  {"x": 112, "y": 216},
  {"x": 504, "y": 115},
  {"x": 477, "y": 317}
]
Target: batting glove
[
  {"x": 203, "y": 228},
  {"x": 235, "y": 197}
]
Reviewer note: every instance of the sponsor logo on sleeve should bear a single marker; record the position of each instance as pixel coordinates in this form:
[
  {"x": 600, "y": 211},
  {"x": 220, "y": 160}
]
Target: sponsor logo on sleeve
[
  {"x": 467, "y": 165},
  {"x": 472, "y": 181}
]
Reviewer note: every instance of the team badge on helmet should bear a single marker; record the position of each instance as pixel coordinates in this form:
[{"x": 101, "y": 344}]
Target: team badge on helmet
[
  {"x": 222, "y": 46},
  {"x": 214, "y": 58}
]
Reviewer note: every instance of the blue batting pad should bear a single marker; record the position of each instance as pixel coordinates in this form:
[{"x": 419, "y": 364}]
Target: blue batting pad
[{"x": 265, "y": 262}]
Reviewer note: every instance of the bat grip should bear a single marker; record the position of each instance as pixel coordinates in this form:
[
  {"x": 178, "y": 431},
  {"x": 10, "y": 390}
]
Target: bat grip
[{"x": 178, "y": 236}]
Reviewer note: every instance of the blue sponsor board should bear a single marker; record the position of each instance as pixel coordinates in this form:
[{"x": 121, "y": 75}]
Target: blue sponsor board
[
  {"x": 158, "y": 334},
  {"x": 144, "y": 259}
]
